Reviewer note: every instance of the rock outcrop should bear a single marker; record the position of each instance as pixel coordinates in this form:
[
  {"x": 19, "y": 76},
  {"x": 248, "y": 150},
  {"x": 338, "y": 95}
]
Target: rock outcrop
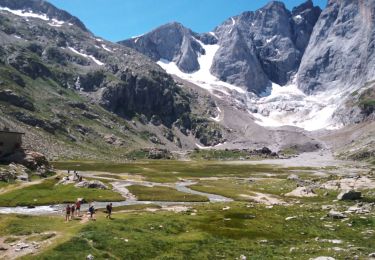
[
  {"x": 341, "y": 52},
  {"x": 172, "y": 42}
]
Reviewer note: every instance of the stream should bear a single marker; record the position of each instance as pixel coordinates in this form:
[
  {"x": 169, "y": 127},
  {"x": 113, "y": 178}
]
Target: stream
[{"x": 119, "y": 186}]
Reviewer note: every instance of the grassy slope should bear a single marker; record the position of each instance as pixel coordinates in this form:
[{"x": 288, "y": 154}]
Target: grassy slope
[{"x": 48, "y": 193}]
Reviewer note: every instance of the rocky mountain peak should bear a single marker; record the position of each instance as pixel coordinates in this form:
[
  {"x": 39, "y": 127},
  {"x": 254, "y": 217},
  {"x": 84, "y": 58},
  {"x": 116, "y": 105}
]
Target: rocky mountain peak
[
  {"x": 42, "y": 7},
  {"x": 170, "y": 42}
]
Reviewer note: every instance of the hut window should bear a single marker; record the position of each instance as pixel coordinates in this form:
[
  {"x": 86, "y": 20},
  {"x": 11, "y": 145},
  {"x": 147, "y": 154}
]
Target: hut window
[
  {"x": 17, "y": 145},
  {"x": 1, "y": 143}
]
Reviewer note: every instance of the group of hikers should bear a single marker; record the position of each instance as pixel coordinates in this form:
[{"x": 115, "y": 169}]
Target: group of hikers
[
  {"x": 76, "y": 176},
  {"x": 74, "y": 210}
]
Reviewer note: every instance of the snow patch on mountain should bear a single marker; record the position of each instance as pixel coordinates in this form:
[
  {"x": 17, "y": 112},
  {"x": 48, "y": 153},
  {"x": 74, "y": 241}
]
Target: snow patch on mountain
[
  {"x": 56, "y": 23},
  {"x": 30, "y": 14},
  {"x": 203, "y": 77},
  {"x": 106, "y": 48},
  {"x": 25, "y": 13},
  {"x": 98, "y": 62}
]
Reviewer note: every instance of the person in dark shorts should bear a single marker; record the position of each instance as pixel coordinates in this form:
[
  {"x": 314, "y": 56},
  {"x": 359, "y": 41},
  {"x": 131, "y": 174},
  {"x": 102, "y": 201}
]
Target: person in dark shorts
[
  {"x": 92, "y": 211},
  {"x": 73, "y": 209},
  {"x": 67, "y": 212},
  {"x": 78, "y": 208},
  {"x": 109, "y": 210}
]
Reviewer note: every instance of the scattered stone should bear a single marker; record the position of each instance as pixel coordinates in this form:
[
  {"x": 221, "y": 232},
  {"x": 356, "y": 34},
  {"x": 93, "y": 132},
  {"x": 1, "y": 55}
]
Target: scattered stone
[
  {"x": 95, "y": 184},
  {"x": 293, "y": 177},
  {"x": 11, "y": 97},
  {"x": 290, "y": 218},
  {"x": 90, "y": 257},
  {"x": 336, "y": 215},
  {"x": 302, "y": 192},
  {"x": 89, "y": 115},
  {"x": 242, "y": 257},
  {"x": 226, "y": 208},
  {"x": 323, "y": 258},
  {"x": 361, "y": 208},
  {"x": 372, "y": 255},
  {"x": 114, "y": 140},
  {"x": 349, "y": 195}
]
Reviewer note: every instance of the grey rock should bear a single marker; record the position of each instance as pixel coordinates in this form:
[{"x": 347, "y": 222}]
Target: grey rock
[
  {"x": 341, "y": 51},
  {"x": 273, "y": 47},
  {"x": 372, "y": 255},
  {"x": 293, "y": 177},
  {"x": 11, "y": 97},
  {"x": 95, "y": 184},
  {"x": 349, "y": 195},
  {"x": 172, "y": 42},
  {"x": 336, "y": 215}
]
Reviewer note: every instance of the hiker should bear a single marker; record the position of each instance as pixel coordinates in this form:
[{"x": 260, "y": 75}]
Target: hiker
[
  {"x": 73, "y": 208},
  {"x": 78, "y": 208},
  {"x": 109, "y": 210},
  {"x": 91, "y": 211},
  {"x": 67, "y": 212}
]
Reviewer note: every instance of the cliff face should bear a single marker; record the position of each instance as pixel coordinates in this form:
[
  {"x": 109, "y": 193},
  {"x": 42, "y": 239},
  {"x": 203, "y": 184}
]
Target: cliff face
[{"x": 341, "y": 52}]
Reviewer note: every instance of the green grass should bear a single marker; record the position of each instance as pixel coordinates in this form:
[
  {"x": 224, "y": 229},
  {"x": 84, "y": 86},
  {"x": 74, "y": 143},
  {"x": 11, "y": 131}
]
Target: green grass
[
  {"x": 159, "y": 193},
  {"x": 171, "y": 171},
  {"x": 48, "y": 193},
  {"x": 217, "y": 234},
  {"x": 218, "y": 154}
]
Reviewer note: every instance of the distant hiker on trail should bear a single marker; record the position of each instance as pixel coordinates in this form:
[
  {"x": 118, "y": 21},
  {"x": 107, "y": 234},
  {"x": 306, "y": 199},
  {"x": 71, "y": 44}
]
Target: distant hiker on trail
[
  {"x": 73, "y": 209},
  {"x": 78, "y": 208},
  {"x": 91, "y": 211},
  {"x": 67, "y": 212},
  {"x": 109, "y": 210}
]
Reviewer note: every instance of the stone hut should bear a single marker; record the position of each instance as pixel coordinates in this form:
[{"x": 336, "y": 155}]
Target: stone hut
[{"x": 9, "y": 142}]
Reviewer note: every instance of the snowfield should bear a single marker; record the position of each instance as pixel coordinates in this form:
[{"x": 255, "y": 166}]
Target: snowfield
[
  {"x": 278, "y": 106},
  {"x": 288, "y": 105},
  {"x": 30, "y": 14},
  {"x": 203, "y": 77},
  {"x": 98, "y": 62}
]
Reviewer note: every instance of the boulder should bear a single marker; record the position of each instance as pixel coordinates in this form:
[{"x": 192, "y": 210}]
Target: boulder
[
  {"x": 349, "y": 195},
  {"x": 302, "y": 192},
  {"x": 34, "y": 160},
  {"x": 11, "y": 97},
  {"x": 293, "y": 177},
  {"x": 323, "y": 258},
  {"x": 92, "y": 185}
]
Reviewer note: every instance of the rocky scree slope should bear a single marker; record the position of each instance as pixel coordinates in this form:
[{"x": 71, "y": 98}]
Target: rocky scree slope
[{"x": 76, "y": 95}]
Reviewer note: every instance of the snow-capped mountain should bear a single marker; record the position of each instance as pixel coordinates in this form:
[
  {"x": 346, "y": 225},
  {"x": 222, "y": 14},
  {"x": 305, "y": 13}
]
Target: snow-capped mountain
[{"x": 285, "y": 67}]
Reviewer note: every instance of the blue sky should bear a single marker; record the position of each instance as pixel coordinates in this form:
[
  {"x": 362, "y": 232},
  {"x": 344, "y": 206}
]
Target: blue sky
[{"x": 121, "y": 19}]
